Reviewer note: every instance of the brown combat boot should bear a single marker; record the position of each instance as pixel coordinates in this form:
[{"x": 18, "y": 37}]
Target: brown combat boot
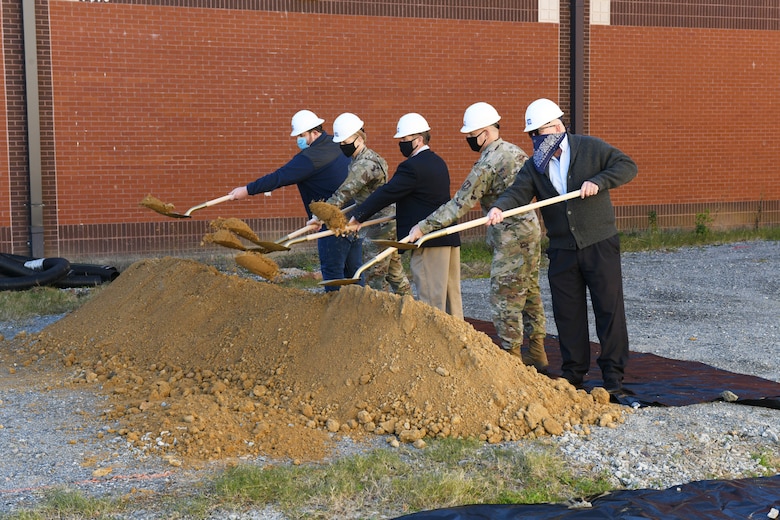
[
  {"x": 515, "y": 351},
  {"x": 535, "y": 355}
]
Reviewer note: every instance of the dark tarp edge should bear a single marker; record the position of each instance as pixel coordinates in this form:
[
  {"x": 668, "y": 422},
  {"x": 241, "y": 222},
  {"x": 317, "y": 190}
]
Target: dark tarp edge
[
  {"x": 751, "y": 498},
  {"x": 652, "y": 380}
]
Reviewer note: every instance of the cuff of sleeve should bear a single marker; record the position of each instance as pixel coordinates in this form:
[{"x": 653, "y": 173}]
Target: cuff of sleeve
[{"x": 425, "y": 227}]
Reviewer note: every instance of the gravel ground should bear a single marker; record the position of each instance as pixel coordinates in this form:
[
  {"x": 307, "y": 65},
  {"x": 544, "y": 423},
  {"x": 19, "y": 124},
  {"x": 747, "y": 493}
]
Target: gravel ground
[{"x": 719, "y": 305}]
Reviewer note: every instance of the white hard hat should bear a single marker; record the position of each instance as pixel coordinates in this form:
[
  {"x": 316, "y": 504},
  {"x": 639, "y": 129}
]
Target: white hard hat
[
  {"x": 346, "y": 125},
  {"x": 411, "y": 124},
  {"x": 539, "y": 113},
  {"x": 479, "y": 115},
  {"x": 303, "y": 121}
]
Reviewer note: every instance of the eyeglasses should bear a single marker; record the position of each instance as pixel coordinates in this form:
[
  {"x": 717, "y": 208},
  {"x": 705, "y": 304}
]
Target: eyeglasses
[{"x": 539, "y": 130}]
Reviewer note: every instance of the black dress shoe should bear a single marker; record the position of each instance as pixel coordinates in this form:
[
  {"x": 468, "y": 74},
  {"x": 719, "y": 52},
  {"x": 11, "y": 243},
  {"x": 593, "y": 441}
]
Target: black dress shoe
[
  {"x": 573, "y": 380},
  {"x": 613, "y": 386}
]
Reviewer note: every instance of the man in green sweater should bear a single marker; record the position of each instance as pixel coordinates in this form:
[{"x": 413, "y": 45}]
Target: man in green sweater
[{"x": 584, "y": 250}]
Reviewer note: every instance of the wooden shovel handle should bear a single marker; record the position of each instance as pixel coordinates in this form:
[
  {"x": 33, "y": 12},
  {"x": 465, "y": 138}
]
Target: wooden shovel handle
[
  {"x": 381, "y": 256},
  {"x": 207, "y": 204},
  {"x": 356, "y": 277},
  {"x": 508, "y": 213},
  {"x": 329, "y": 232}
]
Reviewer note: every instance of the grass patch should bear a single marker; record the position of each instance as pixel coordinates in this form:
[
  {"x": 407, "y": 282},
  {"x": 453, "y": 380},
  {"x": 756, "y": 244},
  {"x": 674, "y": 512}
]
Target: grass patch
[
  {"x": 306, "y": 260},
  {"x": 447, "y": 473},
  {"x": 653, "y": 240},
  {"x": 475, "y": 259},
  {"x": 41, "y": 301},
  {"x": 768, "y": 460},
  {"x": 66, "y": 503}
]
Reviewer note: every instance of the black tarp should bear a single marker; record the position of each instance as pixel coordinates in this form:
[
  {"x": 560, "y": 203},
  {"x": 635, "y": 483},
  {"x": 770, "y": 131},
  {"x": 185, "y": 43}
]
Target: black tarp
[
  {"x": 742, "y": 499},
  {"x": 656, "y": 381}
]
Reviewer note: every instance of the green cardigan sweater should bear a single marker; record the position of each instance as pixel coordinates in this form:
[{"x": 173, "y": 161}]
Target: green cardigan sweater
[{"x": 576, "y": 223}]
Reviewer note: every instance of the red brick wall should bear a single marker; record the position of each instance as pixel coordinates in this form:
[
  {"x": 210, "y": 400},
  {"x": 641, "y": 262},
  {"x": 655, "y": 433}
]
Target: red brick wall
[
  {"x": 693, "y": 107},
  {"x": 5, "y": 170},
  {"x": 188, "y": 103}
]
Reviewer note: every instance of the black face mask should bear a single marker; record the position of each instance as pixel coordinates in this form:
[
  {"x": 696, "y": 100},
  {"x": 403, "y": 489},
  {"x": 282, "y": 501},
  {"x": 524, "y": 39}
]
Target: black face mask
[
  {"x": 407, "y": 147},
  {"x": 348, "y": 149},
  {"x": 475, "y": 146}
]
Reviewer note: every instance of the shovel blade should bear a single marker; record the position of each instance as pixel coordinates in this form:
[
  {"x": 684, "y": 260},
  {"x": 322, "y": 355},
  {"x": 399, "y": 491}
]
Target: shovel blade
[
  {"x": 343, "y": 281},
  {"x": 166, "y": 213},
  {"x": 271, "y": 246}
]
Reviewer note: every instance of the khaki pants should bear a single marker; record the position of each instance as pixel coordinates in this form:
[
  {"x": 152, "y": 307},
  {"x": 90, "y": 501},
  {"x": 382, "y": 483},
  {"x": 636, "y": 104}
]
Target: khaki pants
[{"x": 436, "y": 273}]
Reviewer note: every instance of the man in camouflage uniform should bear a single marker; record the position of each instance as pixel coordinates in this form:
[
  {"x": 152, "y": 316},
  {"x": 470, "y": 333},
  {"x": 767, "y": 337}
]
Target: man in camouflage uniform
[
  {"x": 514, "y": 273},
  {"x": 367, "y": 171}
]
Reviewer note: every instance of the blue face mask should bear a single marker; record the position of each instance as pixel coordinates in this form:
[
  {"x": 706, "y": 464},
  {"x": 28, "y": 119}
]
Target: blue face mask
[{"x": 302, "y": 144}]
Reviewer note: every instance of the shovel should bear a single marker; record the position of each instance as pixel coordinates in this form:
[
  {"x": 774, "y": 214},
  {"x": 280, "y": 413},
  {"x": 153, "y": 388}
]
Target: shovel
[
  {"x": 162, "y": 209},
  {"x": 226, "y": 238},
  {"x": 356, "y": 277},
  {"x": 476, "y": 222},
  {"x": 329, "y": 232},
  {"x": 282, "y": 243},
  {"x": 269, "y": 247}
]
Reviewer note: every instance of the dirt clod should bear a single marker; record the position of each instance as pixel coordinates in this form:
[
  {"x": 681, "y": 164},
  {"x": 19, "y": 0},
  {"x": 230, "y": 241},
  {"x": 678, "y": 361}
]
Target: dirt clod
[
  {"x": 202, "y": 365},
  {"x": 330, "y": 215},
  {"x": 224, "y": 238},
  {"x": 237, "y": 226},
  {"x": 157, "y": 205},
  {"x": 259, "y": 264}
]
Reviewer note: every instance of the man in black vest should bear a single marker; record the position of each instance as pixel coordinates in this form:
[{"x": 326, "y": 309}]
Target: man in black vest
[{"x": 419, "y": 185}]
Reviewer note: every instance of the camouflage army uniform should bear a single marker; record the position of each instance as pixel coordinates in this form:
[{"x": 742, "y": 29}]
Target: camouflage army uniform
[
  {"x": 516, "y": 244},
  {"x": 367, "y": 172}
]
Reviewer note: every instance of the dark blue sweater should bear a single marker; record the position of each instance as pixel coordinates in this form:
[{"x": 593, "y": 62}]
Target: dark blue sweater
[{"x": 318, "y": 171}]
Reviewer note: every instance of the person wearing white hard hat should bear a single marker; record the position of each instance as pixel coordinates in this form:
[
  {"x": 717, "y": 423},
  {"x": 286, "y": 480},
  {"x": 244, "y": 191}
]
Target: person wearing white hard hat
[
  {"x": 584, "y": 250},
  {"x": 515, "y": 297},
  {"x": 420, "y": 184},
  {"x": 367, "y": 172},
  {"x": 318, "y": 169}
]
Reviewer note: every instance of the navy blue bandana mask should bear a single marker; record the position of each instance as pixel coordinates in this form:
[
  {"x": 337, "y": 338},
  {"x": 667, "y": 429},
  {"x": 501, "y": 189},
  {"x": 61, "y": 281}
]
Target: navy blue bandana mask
[{"x": 545, "y": 147}]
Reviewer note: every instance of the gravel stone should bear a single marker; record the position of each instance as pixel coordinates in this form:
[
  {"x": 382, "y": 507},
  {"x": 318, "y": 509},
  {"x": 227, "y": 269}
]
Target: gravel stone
[{"x": 718, "y": 305}]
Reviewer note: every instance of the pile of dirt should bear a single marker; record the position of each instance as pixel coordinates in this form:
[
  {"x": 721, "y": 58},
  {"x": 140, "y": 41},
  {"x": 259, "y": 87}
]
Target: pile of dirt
[{"x": 203, "y": 365}]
